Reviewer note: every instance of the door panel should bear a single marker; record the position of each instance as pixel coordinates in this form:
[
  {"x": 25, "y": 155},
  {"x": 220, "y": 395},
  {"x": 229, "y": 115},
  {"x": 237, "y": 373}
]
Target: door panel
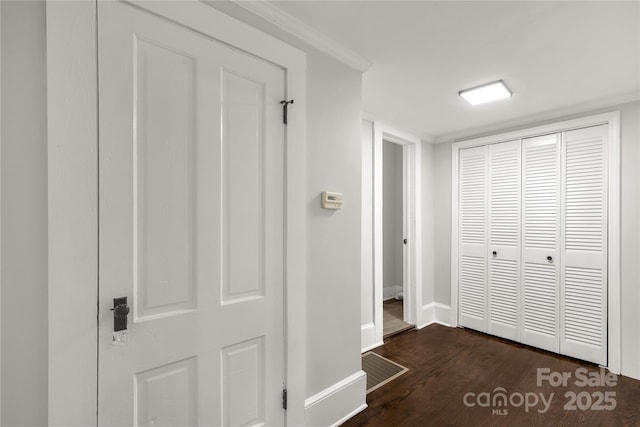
[
  {"x": 504, "y": 239},
  {"x": 242, "y": 370},
  {"x": 163, "y": 181},
  {"x": 584, "y": 288},
  {"x": 243, "y": 180},
  {"x": 541, "y": 238},
  {"x": 473, "y": 238},
  {"x": 156, "y": 390},
  {"x": 191, "y": 227}
]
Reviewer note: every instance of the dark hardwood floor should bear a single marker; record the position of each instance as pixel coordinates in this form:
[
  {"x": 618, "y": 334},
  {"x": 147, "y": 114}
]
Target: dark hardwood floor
[{"x": 447, "y": 364}]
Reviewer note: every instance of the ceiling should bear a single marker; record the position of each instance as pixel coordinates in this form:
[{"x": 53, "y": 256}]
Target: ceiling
[{"x": 558, "y": 58}]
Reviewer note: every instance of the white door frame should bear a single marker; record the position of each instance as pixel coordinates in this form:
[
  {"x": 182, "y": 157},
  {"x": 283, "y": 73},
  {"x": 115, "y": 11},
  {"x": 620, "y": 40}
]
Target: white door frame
[
  {"x": 412, "y": 224},
  {"x": 613, "y": 252},
  {"x": 73, "y": 197},
  {"x": 0, "y": 206}
]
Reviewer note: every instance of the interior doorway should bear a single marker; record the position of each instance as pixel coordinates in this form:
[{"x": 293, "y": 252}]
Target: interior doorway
[
  {"x": 394, "y": 239},
  {"x": 413, "y": 307}
]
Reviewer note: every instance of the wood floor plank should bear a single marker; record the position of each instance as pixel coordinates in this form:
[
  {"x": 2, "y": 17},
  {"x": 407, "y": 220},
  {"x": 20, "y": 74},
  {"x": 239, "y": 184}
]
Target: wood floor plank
[{"x": 445, "y": 364}]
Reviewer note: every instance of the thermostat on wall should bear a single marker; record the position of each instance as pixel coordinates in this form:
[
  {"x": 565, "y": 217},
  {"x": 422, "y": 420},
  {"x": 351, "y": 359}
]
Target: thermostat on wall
[{"x": 331, "y": 200}]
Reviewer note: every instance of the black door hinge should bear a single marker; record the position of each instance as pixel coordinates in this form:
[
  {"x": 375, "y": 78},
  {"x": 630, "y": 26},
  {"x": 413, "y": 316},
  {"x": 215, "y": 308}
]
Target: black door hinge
[
  {"x": 284, "y": 399},
  {"x": 285, "y": 106}
]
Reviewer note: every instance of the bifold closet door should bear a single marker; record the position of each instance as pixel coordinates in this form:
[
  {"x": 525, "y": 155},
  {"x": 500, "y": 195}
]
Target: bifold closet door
[
  {"x": 540, "y": 293},
  {"x": 584, "y": 259},
  {"x": 504, "y": 239},
  {"x": 472, "y": 265}
]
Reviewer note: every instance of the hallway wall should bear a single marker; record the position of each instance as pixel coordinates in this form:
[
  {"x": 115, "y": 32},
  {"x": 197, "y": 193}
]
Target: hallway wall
[{"x": 24, "y": 215}]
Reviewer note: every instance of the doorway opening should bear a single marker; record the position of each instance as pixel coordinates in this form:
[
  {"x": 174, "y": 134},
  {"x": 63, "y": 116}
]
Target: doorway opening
[
  {"x": 413, "y": 309},
  {"x": 394, "y": 239}
]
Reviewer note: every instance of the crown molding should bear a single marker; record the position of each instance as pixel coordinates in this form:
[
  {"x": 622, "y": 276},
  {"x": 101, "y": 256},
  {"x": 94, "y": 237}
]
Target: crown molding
[
  {"x": 409, "y": 135},
  {"x": 531, "y": 120},
  {"x": 304, "y": 32}
]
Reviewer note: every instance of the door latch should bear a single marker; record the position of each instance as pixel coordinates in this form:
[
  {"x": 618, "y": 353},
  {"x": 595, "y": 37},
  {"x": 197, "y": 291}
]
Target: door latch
[{"x": 120, "y": 311}]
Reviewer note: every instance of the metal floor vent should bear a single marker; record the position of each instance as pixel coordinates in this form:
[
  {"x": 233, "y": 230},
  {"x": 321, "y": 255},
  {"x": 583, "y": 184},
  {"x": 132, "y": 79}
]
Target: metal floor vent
[{"x": 380, "y": 370}]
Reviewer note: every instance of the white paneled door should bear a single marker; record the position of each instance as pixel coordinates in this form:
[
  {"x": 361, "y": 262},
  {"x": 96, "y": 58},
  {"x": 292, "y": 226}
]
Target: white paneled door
[{"x": 191, "y": 227}]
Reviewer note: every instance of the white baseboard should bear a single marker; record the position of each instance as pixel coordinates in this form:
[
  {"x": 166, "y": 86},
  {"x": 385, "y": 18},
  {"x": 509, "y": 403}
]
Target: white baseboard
[
  {"x": 368, "y": 339},
  {"x": 435, "y": 313},
  {"x": 336, "y": 404},
  {"x": 389, "y": 292},
  {"x": 442, "y": 314},
  {"x": 428, "y": 315}
]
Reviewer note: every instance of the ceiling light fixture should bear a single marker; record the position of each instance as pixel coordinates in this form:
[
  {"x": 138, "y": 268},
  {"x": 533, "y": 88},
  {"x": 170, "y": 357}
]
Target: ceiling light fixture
[{"x": 486, "y": 93}]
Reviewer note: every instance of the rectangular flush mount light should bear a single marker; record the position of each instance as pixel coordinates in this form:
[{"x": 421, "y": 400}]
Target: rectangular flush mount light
[{"x": 486, "y": 93}]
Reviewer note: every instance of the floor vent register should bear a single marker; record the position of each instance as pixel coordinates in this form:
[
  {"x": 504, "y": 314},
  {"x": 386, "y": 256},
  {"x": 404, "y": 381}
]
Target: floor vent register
[{"x": 380, "y": 370}]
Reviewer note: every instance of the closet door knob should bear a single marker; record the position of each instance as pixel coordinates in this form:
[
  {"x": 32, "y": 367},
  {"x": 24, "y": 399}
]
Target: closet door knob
[
  {"x": 549, "y": 258},
  {"x": 495, "y": 253}
]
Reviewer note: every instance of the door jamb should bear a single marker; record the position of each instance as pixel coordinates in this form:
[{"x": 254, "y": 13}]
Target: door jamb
[
  {"x": 613, "y": 251},
  {"x": 73, "y": 199},
  {"x": 412, "y": 217}
]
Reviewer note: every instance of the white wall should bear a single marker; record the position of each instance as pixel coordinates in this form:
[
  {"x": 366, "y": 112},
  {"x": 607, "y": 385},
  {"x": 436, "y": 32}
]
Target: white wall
[
  {"x": 333, "y": 266},
  {"x": 24, "y": 215},
  {"x": 430, "y": 248},
  {"x": 442, "y": 222},
  {"x": 630, "y": 222},
  {"x": 391, "y": 219}
]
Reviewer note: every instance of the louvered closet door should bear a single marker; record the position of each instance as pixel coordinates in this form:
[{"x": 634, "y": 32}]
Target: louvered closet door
[
  {"x": 504, "y": 239},
  {"x": 584, "y": 263},
  {"x": 541, "y": 241},
  {"x": 473, "y": 238}
]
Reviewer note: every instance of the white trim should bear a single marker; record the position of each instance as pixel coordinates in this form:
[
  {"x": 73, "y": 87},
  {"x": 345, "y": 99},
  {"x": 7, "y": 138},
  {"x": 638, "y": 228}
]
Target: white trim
[
  {"x": 72, "y": 139},
  {"x": 413, "y": 175},
  {"x": 442, "y": 314},
  {"x": 370, "y": 117},
  {"x": 391, "y": 292},
  {"x": 377, "y": 235},
  {"x": 436, "y": 313},
  {"x": 614, "y": 255},
  {"x": 428, "y": 315},
  {"x": 368, "y": 334},
  {"x": 304, "y": 32},
  {"x": 539, "y": 130},
  {"x": 350, "y": 415},
  {"x": 0, "y": 210},
  {"x": 536, "y": 118},
  {"x": 72, "y": 226},
  {"x": 337, "y": 403},
  {"x": 614, "y": 259}
]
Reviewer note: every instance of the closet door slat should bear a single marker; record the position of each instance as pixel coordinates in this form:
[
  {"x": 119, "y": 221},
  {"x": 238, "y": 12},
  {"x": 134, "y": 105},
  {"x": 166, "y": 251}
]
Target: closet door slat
[
  {"x": 584, "y": 264},
  {"x": 504, "y": 239},
  {"x": 473, "y": 238},
  {"x": 541, "y": 240}
]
